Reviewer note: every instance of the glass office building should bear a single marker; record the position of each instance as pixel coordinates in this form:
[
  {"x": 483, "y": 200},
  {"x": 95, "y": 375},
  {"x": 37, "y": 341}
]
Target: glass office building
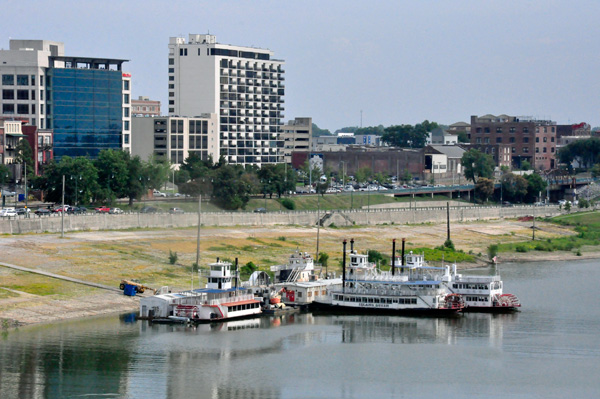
[{"x": 85, "y": 106}]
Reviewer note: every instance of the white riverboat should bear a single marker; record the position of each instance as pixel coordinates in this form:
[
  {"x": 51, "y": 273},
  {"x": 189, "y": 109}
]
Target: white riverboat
[
  {"x": 479, "y": 293},
  {"x": 298, "y": 282},
  {"x": 220, "y": 300},
  {"x": 367, "y": 289}
]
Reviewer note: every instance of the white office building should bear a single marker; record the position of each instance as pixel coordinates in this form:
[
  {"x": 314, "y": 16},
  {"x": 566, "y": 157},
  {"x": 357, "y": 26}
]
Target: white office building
[{"x": 244, "y": 86}]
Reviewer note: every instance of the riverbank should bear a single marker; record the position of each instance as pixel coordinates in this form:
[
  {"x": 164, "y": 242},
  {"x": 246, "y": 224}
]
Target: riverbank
[{"x": 106, "y": 257}]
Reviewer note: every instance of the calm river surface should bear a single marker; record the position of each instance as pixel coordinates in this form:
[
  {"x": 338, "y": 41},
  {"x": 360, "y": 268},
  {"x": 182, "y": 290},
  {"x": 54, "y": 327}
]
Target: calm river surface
[{"x": 551, "y": 349}]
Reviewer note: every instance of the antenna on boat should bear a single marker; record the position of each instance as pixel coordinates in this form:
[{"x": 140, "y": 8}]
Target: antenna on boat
[
  {"x": 393, "y": 256},
  {"x": 344, "y": 266},
  {"x": 236, "y": 273}
]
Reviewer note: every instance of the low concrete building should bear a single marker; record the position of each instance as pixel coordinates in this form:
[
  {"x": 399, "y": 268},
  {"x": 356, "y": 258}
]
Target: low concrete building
[{"x": 297, "y": 136}]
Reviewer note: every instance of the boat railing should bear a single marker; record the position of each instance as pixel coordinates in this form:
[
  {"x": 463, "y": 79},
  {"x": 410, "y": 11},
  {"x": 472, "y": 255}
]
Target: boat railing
[
  {"x": 214, "y": 302},
  {"x": 385, "y": 292},
  {"x": 476, "y": 279}
]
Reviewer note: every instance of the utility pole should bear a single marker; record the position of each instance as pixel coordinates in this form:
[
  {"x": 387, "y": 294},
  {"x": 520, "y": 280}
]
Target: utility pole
[
  {"x": 26, "y": 208},
  {"x": 62, "y": 212},
  {"x": 318, "y": 225},
  {"x": 448, "y": 218},
  {"x": 198, "y": 239}
]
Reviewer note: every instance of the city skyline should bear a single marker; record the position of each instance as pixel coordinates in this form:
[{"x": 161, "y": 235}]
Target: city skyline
[{"x": 394, "y": 63}]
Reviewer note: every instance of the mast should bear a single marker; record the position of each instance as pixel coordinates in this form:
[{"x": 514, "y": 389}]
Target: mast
[{"x": 344, "y": 267}]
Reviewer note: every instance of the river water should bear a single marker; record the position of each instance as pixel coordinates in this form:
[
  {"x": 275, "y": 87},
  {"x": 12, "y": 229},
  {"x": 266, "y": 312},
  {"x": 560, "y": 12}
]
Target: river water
[{"x": 551, "y": 349}]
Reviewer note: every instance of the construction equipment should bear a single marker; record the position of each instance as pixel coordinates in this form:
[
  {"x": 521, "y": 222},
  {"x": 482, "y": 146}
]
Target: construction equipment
[{"x": 139, "y": 287}]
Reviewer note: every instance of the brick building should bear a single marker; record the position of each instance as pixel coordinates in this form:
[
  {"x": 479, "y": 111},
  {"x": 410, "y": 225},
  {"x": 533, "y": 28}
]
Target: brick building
[{"x": 529, "y": 139}]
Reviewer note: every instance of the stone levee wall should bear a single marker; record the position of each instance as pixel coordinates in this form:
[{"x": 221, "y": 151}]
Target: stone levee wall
[{"x": 52, "y": 224}]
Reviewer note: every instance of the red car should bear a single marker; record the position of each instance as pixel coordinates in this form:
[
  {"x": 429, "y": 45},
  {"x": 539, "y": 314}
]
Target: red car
[{"x": 103, "y": 209}]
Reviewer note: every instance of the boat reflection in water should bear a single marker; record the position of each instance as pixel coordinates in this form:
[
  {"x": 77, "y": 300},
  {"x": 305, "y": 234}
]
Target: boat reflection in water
[{"x": 418, "y": 330}]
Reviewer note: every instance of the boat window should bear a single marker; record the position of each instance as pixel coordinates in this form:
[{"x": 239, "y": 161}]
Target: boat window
[
  {"x": 376, "y": 300},
  {"x": 370, "y": 300}
]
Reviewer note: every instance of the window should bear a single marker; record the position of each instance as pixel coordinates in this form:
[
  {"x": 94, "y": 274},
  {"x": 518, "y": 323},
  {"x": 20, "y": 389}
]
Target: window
[
  {"x": 171, "y": 78},
  {"x": 8, "y": 94},
  {"x": 499, "y": 139},
  {"x": 33, "y": 108},
  {"x": 171, "y": 102},
  {"x": 171, "y": 70},
  {"x": 8, "y": 80},
  {"x": 33, "y": 94},
  {"x": 171, "y": 61},
  {"x": 33, "y": 80},
  {"x": 552, "y": 139},
  {"x": 171, "y": 86},
  {"x": 544, "y": 149},
  {"x": 498, "y": 130},
  {"x": 545, "y": 139},
  {"x": 126, "y": 98},
  {"x": 126, "y": 112},
  {"x": 537, "y": 150},
  {"x": 22, "y": 108},
  {"x": 41, "y": 80},
  {"x": 183, "y": 51},
  {"x": 171, "y": 94},
  {"x": 22, "y": 94},
  {"x": 525, "y": 130},
  {"x": 514, "y": 150},
  {"x": 171, "y": 109},
  {"x": 537, "y": 139},
  {"x": 41, "y": 94},
  {"x": 525, "y": 139},
  {"x": 551, "y": 149},
  {"x": 41, "y": 109},
  {"x": 486, "y": 140},
  {"x": 8, "y": 108},
  {"x": 126, "y": 126},
  {"x": 512, "y": 129},
  {"x": 125, "y": 85},
  {"x": 511, "y": 140},
  {"x": 22, "y": 80},
  {"x": 478, "y": 140},
  {"x": 486, "y": 129}
]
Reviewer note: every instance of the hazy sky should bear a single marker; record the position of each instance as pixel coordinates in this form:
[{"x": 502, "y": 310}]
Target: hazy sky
[{"x": 397, "y": 61}]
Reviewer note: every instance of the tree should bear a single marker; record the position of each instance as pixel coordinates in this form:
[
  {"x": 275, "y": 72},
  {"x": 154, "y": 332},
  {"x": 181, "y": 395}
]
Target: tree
[
  {"x": 277, "y": 179},
  {"x": 323, "y": 258},
  {"x": 596, "y": 170},
  {"x": 514, "y": 187},
  {"x": 408, "y": 135},
  {"x": 113, "y": 175},
  {"x": 316, "y": 131},
  {"x": 477, "y": 165},
  {"x": 585, "y": 152},
  {"x": 81, "y": 180},
  {"x": 4, "y": 174},
  {"x": 24, "y": 154},
  {"x": 406, "y": 177},
  {"x": 230, "y": 191},
  {"x": 535, "y": 185},
  {"x": 525, "y": 165},
  {"x": 363, "y": 175},
  {"x": 375, "y": 130},
  {"x": 462, "y": 137},
  {"x": 484, "y": 188}
]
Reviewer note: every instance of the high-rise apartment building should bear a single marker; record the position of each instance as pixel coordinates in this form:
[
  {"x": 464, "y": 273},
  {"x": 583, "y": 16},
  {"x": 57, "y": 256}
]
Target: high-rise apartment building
[
  {"x": 84, "y": 100},
  {"x": 243, "y": 86}
]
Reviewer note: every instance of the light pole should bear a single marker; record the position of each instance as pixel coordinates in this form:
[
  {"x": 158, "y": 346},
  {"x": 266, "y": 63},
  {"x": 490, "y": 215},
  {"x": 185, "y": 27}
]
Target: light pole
[{"x": 343, "y": 174}]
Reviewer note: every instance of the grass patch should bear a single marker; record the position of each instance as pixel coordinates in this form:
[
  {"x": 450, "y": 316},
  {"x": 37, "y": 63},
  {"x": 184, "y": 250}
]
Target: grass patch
[
  {"x": 42, "y": 289},
  {"x": 447, "y": 254},
  {"x": 4, "y": 294}
]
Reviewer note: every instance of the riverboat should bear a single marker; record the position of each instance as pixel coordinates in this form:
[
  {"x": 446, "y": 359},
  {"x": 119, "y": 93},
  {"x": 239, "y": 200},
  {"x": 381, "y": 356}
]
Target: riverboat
[
  {"x": 298, "y": 282},
  {"x": 367, "y": 289},
  {"x": 479, "y": 293},
  {"x": 219, "y": 301}
]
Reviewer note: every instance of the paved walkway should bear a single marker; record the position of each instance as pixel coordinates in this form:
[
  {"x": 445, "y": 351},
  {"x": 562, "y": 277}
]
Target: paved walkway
[{"x": 58, "y": 276}]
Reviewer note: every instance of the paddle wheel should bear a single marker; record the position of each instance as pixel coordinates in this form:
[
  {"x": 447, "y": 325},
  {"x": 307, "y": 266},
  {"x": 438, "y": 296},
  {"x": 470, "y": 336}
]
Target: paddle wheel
[
  {"x": 508, "y": 301},
  {"x": 454, "y": 301}
]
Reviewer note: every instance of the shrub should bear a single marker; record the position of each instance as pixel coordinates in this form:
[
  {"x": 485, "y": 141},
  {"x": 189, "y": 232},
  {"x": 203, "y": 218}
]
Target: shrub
[
  {"x": 281, "y": 238},
  {"x": 172, "y": 257},
  {"x": 522, "y": 248},
  {"x": 288, "y": 204},
  {"x": 323, "y": 258},
  {"x": 492, "y": 251},
  {"x": 377, "y": 257},
  {"x": 579, "y": 252},
  {"x": 449, "y": 244}
]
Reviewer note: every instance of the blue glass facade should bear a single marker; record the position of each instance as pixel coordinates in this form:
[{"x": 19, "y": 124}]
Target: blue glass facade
[{"x": 85, "y": 110}]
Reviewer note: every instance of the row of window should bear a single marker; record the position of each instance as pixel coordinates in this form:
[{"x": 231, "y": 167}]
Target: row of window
[
  {"x": 21, "y": 94},
  {"x": 401, "y": 301},
  {"x": 476, "y": 299},
  {"x": 21, "y": 80},
  {"x": 514, "y": 129},
  {"x": 246, "y": 306}
]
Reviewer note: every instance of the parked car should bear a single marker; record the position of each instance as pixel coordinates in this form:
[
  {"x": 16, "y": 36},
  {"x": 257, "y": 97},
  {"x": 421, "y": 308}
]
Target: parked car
[
  {"x": 43, "y": 212},
  {"x": 148, "y": 209},
  {"x": 74, "y": 210},
  {"x": 260, "y": 210},
  {"x": 158, "y": 193},
  {"x": 115, "y": 211},
  {"x": 506, "y": 203},
  {"x": 23, "y": 211},
  {"x": 8, "y": 212},
  {"x": 103, "y": 209},
  {"x": 176, "y": 210}
]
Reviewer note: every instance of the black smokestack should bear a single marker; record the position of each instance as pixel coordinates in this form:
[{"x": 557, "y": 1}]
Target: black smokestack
[
  {"x": 351, "y": 245},
  {"x": 402, "y": 260},
  {"x": 393, "y": 256},
  {"x": 236, "y": 273}
]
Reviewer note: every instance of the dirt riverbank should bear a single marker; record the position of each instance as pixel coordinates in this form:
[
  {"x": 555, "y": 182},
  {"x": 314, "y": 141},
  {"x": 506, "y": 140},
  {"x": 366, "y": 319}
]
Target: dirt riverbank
[{"x": 106, "y": 257}]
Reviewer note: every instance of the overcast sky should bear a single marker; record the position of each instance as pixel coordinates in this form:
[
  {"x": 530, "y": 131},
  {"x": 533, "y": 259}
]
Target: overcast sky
[{"x": 397, "y": 61}]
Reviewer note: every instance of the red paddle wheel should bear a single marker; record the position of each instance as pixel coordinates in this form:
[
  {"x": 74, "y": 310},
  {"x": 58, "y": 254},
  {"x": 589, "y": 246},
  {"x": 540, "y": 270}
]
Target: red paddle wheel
[{"x": 508, "y": 300}]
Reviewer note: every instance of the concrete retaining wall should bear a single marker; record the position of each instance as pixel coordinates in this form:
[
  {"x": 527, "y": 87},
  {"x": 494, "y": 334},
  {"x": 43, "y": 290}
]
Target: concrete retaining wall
[{"x": 52, "y": 224}]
